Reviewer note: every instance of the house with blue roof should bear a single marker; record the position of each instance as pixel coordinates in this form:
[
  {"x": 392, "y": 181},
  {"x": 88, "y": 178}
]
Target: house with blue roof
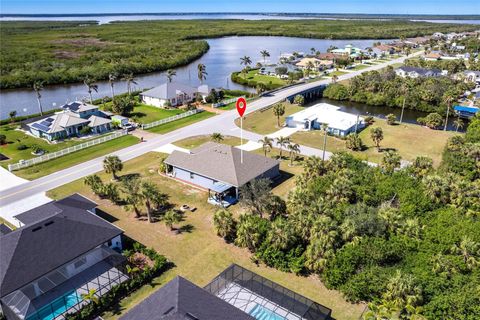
[{"x": 465, "y": 111}]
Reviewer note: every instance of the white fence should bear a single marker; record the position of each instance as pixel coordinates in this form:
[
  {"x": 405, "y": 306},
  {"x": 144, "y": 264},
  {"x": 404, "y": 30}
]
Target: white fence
[
  {"x": 30, "y": 162},
  {"x": 225, "y": 102},
  {"x": 170, "y": 119}
]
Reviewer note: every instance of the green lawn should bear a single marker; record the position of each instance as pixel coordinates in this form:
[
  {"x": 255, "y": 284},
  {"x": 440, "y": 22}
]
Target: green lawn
[
  {"x": 409, "y": 140},
  {"x": 265, "y": 122},
  {"x": 167, "y": 127},
  {"x": 198, "y": 254},
  {"x": 194, "y": 142},
  {"x": 146, "y": 114},
  {"x": 253, "y": 75},
  {"x": 77, "y": 157},
  {"x": 337, "y": 73},
  {"x": 15, "y": 138},
  {"x": 360, "y": 67}
]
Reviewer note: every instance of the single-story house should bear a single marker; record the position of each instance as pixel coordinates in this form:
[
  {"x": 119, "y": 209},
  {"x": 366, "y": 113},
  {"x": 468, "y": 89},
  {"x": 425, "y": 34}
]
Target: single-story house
[
  {"x": 220, "y": 169},
  {"x": 383, "y": 50},
  {"x": 317, "y": 63},
  {"x": 70, "y": 121},
  {"x": 278, "y": 70},
  {"x": 414, "y": 72},
  {"x": 433, "y": 56},
  {"x": 472, "y": 76},
  {"x": 339, "y": 123},
  {"x": 235, "y": 294},
  {"x": 63, "y": 250},
  {"x": 169, "y": 93}
]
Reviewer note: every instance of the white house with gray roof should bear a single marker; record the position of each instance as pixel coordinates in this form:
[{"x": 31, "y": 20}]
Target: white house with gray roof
[
  {"x": 414, "y": 72},
  {"x": 70, "y": 121},
  {"x": 169, "y": 94},
  {"x": 219, "y": 169}
]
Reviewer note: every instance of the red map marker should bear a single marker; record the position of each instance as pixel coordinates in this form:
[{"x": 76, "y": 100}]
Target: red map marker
[{"x": 241, "y": 106}]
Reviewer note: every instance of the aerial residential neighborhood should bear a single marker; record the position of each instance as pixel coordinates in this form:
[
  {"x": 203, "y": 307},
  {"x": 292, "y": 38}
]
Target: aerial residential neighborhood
[{"x": 279, "y": 161}]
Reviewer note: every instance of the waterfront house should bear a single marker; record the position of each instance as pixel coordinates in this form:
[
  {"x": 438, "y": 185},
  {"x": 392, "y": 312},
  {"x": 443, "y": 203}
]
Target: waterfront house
[
  {"x": 414, "y": 72},
  {"x": 339, "y": 123},
  {"x": 317, "y": 63},
  {"x": 70, "y": 121},
  {"x": 235, "y": 294},
  {"x": 169, "y": 94},
  {"x": 219, "y": 169},
  {"x": 348, "y": 51},
  {"x": 383, "y": 50},
  {"x": 61, "y": 251},
  {"x": 278, "y": 70},
  {"x": 466, "y": 112}
]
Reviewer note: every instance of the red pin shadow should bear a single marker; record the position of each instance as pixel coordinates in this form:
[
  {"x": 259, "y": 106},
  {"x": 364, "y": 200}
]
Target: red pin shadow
[{"x": 241, "y": 106}]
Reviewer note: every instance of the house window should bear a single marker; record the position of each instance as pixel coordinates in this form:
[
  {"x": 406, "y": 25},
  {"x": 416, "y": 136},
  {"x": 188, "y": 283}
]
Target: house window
[
  {"x": 109, "y": 243},
  {"x": 80, "y": 262},
  {"x": 191, "y": 175}
]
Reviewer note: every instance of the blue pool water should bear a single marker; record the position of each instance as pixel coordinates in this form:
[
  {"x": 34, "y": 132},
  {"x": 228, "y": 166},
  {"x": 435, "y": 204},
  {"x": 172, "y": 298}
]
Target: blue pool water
[
  {"x": 57, "y": 307},
  {"x": 260, "y": 313}
]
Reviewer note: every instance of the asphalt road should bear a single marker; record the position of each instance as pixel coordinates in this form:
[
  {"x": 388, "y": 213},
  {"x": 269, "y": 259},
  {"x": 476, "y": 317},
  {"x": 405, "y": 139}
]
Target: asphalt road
[{"x": 223, "y": 123}]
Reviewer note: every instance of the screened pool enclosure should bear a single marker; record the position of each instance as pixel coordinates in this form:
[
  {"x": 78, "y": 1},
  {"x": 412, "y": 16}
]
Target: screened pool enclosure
[{"x": 262, "y": 298}]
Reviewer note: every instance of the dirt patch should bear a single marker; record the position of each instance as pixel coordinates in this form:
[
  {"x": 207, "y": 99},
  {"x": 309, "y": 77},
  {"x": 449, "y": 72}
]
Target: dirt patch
[
  {"x": 83, "y": 42},
  {"x": 65, "y": 54}
]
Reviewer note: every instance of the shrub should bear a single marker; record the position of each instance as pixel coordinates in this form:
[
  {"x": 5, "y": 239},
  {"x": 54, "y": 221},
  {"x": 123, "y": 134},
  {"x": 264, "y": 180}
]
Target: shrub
[
  {"x": 3, "y": 139},
  {"x": 391, "y": 118},
  {"x": 299, "y": 99},
  {"x": 354, "y": 142},
  {"x": 85, "y": 130},
  {"x": 22, "y": 147},
  {"x": 336, "y": 91},
  {"x": 369, "y": 120}
]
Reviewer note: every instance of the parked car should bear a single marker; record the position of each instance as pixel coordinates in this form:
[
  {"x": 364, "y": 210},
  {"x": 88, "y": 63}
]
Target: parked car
[{"x": 129, "y": 126}]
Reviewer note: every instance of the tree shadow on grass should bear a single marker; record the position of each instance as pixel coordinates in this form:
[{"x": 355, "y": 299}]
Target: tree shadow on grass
[
  {"x": 188, "y": 228},
  {"x": 128, "y": 176},
  {"x": 137, "y": 114}
]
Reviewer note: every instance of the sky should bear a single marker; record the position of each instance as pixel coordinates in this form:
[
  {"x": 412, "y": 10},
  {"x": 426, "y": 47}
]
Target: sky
[{"x": 311, "y": 6}]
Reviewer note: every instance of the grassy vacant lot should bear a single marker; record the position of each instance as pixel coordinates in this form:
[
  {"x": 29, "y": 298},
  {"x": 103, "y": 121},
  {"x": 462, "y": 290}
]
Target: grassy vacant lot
[
  {"x": 167, "y": 127},
  {"x": 198, "y": 254},
  {"x": 265, "y": 122},
  {"x": 15, "y": 138},
  {"x": 360, "y": 67},
  {"x": 146, "y": 114},
  {"x": 409, "y": 140},
  {"x": 74, "y": 158},
  {"x": 259, "y": 78},
  {"x": 194, "y": 142},
  {"x": 337, "y": 73},
  {"x": 30, "y": 49}
]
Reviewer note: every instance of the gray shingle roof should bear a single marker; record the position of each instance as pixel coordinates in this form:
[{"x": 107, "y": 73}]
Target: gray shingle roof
[
  {"x": 420, "y": 71},
  {"x": 97, "y": 121},
  {"x": 48, "y": 243},
  {"x": 222, "y": 163},
  {"x": 180, "y": 299},
  {"x": 4, "y": 229},
  {"x": 169, "y": 90}
]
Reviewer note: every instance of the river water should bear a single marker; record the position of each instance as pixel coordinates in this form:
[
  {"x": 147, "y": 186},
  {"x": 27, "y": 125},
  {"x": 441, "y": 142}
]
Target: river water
[{"x": 221, "y": 60}]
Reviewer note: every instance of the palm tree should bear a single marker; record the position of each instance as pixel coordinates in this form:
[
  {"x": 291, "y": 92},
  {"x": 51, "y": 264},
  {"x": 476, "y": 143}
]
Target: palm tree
[
  {"x": 390, "y": 161},
  {"x": 264, "y": 54},
  {"x": 132, "y": 270},
  {"x": 282, "y": 142},
  {"x": 246, "y": 61},
  {"x": 90, "y": 296},
  {"x": 448, "y": 98},
  {"x": 278, "y": 111},
  {"x": 94, "y": 182},
  {"x": 458, "y": 123},
  {"x": 38, "y": 87},
  {"x": 216, "y": 137},
  {"x": 402, "y": 291},
  {"x": 111, "y": 80},
  {"x": 294, "y": 149},
  {"x": 149, "y": 192},
  {"x": 12, "y": 114},
  {"x": 377, "y": 135},
  {"x": 280, "y": 235},
  {"x": 469, "y": 250},
  {"x": 267, "y": 144},
  {"x": 201, "y": 72},
  {"x": 224, "y": 224},
  {"x": 112, "y": 164},
  {"x": 130, "y": 78},
  {"x": 131, "y": 187},
  {"x": 170, "y": 74},
  {"x": 91, "y": 86},
  {"x": 313, "y": 50},
  {"x": 171, "y": 217}
]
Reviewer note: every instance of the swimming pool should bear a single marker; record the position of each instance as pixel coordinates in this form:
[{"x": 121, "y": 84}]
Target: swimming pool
[
  {"x": 261, "y": 313},
  {"x": 57, "y": 307}
]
